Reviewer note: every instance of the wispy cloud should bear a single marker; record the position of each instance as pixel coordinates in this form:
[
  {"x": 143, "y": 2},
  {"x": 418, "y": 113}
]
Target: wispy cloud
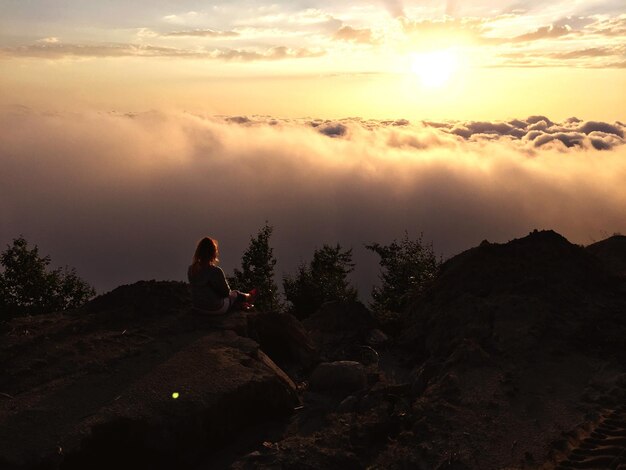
[
  {"x": 544, "y": 32},
  {"x": 61, "y": 51},
  {"x": 360, "y": 36},
  {"x": 206, "y": 33}
]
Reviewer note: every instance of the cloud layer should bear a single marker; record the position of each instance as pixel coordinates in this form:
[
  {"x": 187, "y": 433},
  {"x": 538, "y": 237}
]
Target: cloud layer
[{"x": 125, "y": 197}]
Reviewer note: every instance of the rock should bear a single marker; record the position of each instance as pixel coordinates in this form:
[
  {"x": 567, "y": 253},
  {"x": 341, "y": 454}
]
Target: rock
[
  {"x": 283, "y": 337},
  {"x": 339, "y": 377},
  {"x": 348, "y": 404},
  {"x": 163, "y": 408},
  {"x": 377, "y": 338},
  {"x": 235, "y": 321}
]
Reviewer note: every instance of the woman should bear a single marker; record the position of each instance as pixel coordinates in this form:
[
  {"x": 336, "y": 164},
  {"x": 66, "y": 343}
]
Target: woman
[{"x": 210, "y": 291}]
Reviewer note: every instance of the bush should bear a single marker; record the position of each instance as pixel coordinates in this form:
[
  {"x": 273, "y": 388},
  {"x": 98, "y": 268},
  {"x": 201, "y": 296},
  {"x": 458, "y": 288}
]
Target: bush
[
  {"x": 27, "y": 287},
  {"x": 407, "y": 267},
  {"x": 325, "y": 279},
  {"x": 257, "y": 270}
]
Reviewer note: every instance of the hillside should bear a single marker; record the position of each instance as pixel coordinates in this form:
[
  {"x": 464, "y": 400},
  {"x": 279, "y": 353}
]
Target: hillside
[{"x": 514, "y": 358}]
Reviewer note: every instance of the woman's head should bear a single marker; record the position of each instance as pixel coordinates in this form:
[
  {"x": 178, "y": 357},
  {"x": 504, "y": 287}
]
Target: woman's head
[{"x": 206, "y": 252}]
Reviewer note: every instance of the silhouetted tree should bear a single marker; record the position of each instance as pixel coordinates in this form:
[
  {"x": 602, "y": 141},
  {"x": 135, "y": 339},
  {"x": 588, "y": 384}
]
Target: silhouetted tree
[
  {"x": 407, "y": 267},
  {"x": 257, "y": 270},
  {"x": 28, "y": 287},
  {"x": 325, "y": 279}
]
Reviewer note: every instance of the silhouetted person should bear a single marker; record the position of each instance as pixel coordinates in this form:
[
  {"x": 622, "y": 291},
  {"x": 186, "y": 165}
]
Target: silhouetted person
[{"x": 210, "y": 291}]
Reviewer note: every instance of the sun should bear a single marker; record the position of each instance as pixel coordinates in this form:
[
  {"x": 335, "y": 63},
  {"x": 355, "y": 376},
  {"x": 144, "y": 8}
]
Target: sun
[{"x": 435, "y": 68}]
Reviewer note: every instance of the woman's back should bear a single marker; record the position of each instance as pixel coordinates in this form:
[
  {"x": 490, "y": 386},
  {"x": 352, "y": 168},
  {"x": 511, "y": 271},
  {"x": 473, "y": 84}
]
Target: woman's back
[{"x": 208, "y": 286}]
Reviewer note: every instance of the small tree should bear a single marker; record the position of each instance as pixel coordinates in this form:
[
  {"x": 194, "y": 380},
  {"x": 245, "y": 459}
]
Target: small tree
[
  {"x": 257, "y": 270},
  {"x": 407, "y": 268},
  {"x": 28, "y": 287},
  {"x": 325, "y": 279}
]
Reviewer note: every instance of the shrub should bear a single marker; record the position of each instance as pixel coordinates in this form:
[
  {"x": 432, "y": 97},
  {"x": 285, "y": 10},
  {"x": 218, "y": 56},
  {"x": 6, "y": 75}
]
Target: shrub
[
  {"x": 27, "y": 286},
  {"x": 407, "y": 267},
  {"x": 323, "y": 280},
  {"x": 257, "y": 270}
]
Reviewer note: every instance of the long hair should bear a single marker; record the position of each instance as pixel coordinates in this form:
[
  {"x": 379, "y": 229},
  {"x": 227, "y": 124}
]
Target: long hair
[{"x": 206, "y": 253}]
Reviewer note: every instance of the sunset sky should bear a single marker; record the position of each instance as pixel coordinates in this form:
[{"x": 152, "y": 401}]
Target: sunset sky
[
  {"x": 130, "y": 129},
  {"x": 474, "y": 59}
]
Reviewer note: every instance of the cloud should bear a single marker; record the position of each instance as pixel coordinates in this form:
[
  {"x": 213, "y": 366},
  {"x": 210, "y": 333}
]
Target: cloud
[
  {"x": 394, "y": 7},
  {"x": 359, "y": 36},
  {"x": 311, "y": 20},
  {"x": 609, "y": 27},
  {"x": 62, "y": 51},
  {"x": 125, "y": 197},
  {"x": 471, "y": 28},
  {"x": 333, "y": 129},
  {"x": 206, "y": 33},
  {"x": 583, "y": 53},
  {"x": 537, "y": 131},
  {"x": 49, "y": 40},
  {"x": 274, "y": 53},
  {"x": 544, "y": 32}
]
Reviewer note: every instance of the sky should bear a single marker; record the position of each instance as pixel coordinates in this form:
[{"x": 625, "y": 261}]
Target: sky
[
  {"x": 129, "y": 130},
  {"x": 377, "y": 59}
]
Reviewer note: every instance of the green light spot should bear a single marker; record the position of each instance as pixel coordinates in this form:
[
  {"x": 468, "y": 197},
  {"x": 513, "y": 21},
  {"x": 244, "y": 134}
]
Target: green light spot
[{"x": 175, "y": 395}]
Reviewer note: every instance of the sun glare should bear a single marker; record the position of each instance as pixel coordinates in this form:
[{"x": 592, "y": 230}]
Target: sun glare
[{"x": 435, "y": 68}]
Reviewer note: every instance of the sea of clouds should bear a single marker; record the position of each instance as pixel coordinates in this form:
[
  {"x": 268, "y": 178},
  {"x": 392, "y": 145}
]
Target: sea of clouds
[{"x": 124, "y": 197}]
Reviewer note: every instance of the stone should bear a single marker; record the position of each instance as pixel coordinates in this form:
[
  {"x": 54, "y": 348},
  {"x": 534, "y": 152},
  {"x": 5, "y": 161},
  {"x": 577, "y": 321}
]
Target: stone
[{"x": 339, "y": 377}]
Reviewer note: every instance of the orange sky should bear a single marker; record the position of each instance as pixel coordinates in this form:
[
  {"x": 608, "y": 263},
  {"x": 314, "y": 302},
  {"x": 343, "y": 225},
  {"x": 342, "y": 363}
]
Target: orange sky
[{"x": 417, "y": 60}]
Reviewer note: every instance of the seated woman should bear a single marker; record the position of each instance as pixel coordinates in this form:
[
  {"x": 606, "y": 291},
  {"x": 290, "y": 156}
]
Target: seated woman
[{"x": 210, "y": 291}]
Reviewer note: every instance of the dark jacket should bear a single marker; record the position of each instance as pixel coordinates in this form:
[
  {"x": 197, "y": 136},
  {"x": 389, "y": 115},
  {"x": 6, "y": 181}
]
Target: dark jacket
[{"x": 209, "y": 287}]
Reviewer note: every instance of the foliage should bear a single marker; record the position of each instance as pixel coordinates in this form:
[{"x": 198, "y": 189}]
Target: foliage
[
  {"x": 28, "y": 287},
  {"x": 407, "y": 267},
  {"x": 257, "y": 270},
  {"x": 325, "y": 279}
]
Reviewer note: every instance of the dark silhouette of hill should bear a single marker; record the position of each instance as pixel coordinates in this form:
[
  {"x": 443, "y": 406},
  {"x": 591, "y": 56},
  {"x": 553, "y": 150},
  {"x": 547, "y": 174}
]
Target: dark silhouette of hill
[
  {"x": 536, "y": 289},
  {"x": 612, "y": 253},
  {"x": 514, "y": 358},
  {"x": 522, "y": 341}
]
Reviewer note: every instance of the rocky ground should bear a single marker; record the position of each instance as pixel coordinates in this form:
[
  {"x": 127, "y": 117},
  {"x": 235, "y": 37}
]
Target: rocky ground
[{"x": 514, "y": 359}]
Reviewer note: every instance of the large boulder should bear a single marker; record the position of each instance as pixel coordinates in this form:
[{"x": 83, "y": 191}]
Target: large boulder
[
  {"x": 119, "y": 384},
  {"x": 283, "y": 337}
]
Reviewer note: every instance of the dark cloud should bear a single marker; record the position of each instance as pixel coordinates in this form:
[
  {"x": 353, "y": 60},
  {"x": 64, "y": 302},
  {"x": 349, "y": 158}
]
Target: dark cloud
[
  {"x": 540, "y": 130},
  {"x": 569, "y": 139},
  {"x": 536, "y": 130},
  {"x": 359, "y": 36},
  {"x": 125, "y": 198},
  {"x": 207, "y": 33},
  {"x": 591, "y": 126},
  {"x": 336, "y": 129},
  {"x": 468, "y": 129},
  {"x": 238, "y": 119}
]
